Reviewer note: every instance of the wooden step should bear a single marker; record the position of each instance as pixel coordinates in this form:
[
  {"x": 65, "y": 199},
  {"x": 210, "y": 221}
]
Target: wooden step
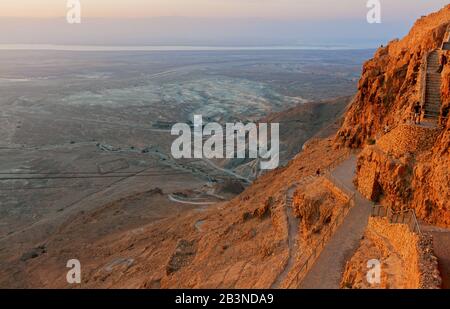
[
  {"x": 433, "y": 103},
  {"x": 431, "y": 113},
  {"x": 432, "y": 118},
  {"x": 435, "y": 109}
]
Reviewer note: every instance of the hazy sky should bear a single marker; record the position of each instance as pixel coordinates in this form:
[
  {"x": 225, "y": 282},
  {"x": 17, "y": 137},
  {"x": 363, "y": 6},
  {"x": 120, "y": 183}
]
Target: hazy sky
[
  {"x": 303, "y": 9},
  {"x": 210, "y": 22}
]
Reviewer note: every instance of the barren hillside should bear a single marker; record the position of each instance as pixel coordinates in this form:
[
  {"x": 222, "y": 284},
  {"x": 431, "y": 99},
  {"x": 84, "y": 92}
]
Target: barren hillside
[{"x": 257, "y": 239}]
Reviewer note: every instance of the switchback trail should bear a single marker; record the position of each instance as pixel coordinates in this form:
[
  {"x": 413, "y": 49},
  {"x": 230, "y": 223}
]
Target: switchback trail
[
  {"x": 326, "y": 273},
  {"x": 293, "y": 224}
]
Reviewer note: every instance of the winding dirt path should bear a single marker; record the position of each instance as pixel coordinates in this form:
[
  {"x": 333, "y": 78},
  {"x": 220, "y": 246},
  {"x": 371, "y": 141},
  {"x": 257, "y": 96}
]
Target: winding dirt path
[
  {"x": 226, "y": 171},
  {"x": 326, "y": 273},
  {"x": 293, "y": 224},
  {"x": 176, "y": 200}
]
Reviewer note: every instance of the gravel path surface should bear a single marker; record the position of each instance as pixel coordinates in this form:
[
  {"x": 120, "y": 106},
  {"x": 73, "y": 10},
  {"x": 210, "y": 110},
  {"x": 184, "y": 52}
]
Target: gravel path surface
[{"x": 327, "y": 271}]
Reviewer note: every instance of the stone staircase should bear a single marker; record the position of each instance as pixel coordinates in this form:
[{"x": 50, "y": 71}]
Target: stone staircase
[{"x": 432, "y": 96}]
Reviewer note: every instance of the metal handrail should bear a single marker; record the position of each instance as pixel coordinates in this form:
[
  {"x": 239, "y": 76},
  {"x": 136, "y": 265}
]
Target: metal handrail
[
  {"x": 423, "y": 81},
  {"x": 392, "y": 215},
  {"x": 339, "y": 184},
  {"x": 337, "y": 160},
  {"x": 321, "y": 242},
  {"x": 332, "y": 227}
]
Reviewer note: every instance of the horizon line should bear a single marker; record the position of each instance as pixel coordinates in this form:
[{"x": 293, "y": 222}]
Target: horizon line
[
  {"x": 324, "y": 19},
  {"x": 117, "y": 48}
]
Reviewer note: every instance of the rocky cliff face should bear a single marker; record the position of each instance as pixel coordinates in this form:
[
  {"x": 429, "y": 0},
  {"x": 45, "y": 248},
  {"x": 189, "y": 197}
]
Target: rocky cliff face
[
  {"x": 409, "y": 166},
  {"x": 249, "y": 241},
  {"x": 390, "y": 81},
  {"x": 407, "y": 259}
]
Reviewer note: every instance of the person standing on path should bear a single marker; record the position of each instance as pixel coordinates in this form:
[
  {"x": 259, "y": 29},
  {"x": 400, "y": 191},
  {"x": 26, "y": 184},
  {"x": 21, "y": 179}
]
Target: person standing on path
[
  {"x": 442, "y": 62},
  {"x": 417, "y": 110}
]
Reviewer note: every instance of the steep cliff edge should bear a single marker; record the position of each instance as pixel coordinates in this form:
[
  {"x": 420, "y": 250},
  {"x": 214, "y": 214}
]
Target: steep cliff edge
[
  {"x": 249, "y": 242},
  {"x": 390, "y": 82},
  {"x": 403, "y": 165}
]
